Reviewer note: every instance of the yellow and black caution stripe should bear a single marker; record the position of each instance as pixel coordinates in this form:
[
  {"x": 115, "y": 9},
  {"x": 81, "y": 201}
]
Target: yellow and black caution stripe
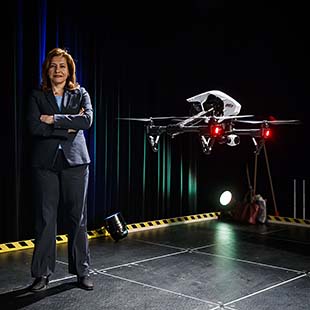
[
  {"x": 14, "y": 246},
  {"x": 28, "y": 244},
  {"x": 175, "y": 220},
  {"x": 288, "y": 220},
  {"x": 102, "y": 232}
]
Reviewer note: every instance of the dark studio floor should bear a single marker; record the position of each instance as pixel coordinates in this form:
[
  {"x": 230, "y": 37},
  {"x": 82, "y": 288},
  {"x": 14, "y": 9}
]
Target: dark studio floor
[{"x": 209, "y": 264}]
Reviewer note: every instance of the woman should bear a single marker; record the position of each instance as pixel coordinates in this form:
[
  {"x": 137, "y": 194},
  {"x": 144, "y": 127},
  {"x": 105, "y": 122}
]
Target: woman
[{"x": 58, "y": 114}]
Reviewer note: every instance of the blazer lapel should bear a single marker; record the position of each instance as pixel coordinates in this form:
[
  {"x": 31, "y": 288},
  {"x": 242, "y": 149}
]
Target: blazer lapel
[
  {"x": 52, "y": 101},
  {"x": 66, "y": 100}
]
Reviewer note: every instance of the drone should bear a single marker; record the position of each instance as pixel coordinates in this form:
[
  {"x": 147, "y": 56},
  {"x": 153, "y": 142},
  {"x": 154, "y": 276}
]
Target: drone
[{"x": 214, "y": 116}]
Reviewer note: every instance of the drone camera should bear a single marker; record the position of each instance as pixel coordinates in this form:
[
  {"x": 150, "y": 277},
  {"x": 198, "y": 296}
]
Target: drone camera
[
  {"x": 232, "y": 140},
  {"x": 216, "y": 103}
]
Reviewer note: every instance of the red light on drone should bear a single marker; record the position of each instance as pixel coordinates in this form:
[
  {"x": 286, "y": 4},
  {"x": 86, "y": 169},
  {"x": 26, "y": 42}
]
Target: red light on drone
[
  {"x": 216, "y": 131},
  {"x": 266, "y": 133}
]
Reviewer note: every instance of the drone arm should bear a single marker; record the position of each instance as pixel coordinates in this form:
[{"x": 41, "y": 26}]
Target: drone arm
[{"x": 193, "y": 118}]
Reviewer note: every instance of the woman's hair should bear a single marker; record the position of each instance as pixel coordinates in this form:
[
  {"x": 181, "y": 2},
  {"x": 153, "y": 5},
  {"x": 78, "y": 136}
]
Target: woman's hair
[{"x": 71, "y": 82}]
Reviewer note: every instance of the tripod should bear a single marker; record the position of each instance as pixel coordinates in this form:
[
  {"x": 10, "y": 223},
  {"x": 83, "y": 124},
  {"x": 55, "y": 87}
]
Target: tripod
[{"x": 253, "y": 189}]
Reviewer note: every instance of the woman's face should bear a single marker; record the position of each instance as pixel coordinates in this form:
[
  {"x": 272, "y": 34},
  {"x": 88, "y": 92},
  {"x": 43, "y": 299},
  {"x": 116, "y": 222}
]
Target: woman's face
[{"x": 58, "y": 70}]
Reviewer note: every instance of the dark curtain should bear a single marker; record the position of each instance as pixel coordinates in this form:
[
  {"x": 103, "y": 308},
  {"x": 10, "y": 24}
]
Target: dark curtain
[{"x": 141, "y": 59}]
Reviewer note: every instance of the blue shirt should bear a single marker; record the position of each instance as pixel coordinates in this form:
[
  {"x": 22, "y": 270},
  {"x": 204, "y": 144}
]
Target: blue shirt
[{"x": 58, "y": 100}]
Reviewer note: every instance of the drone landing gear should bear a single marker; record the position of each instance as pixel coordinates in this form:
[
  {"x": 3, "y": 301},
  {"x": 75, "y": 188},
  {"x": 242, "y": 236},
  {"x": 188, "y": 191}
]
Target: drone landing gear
[
  {"x": 206, "y": 145},
  {"x": 154, "y": 142},
  {"x": 258, "y": 146}
]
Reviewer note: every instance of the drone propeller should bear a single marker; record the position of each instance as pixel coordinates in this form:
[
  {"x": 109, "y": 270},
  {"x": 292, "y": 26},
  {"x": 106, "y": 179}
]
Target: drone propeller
[
  {"x": 222, "y": 118},
  {"x": 182, "y": 118},
  {"x": 274, "y": 122},
  {"x": 146, "y": 119},
  {"x": 219, "y": 118},
  {"x": 233, "y": 116}
]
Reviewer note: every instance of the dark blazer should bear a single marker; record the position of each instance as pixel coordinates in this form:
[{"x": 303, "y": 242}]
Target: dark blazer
[{"x": 48, "y": 137}]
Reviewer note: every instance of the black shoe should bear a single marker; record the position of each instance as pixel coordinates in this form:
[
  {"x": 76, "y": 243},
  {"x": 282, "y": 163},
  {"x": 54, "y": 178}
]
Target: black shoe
[
  {"x": 85, "y": 282},
  {"x": 39, "y": 284}
]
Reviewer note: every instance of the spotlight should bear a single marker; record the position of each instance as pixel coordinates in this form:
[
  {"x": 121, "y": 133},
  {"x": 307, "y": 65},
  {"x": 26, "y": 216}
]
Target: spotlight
[
  {"x": 116, "y": 226},
  {"x": 225, "y": 198},
  {"x": 227, "y": 205}
]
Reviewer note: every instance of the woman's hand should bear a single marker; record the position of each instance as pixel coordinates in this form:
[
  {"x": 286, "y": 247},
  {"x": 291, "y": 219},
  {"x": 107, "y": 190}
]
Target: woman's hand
[{"x": 47, "y": 119}]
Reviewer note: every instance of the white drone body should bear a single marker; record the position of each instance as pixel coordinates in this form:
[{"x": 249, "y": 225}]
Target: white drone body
[{"x": 231, "y": 106}]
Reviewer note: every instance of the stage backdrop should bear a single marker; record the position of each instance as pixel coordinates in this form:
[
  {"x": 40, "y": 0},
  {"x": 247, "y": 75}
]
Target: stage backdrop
[{"x": 141, "y": 59}]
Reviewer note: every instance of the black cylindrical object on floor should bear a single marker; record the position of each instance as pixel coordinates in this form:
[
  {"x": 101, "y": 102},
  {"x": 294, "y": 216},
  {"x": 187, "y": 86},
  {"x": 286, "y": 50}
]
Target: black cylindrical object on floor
[{"x": 116, "y": 226}]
